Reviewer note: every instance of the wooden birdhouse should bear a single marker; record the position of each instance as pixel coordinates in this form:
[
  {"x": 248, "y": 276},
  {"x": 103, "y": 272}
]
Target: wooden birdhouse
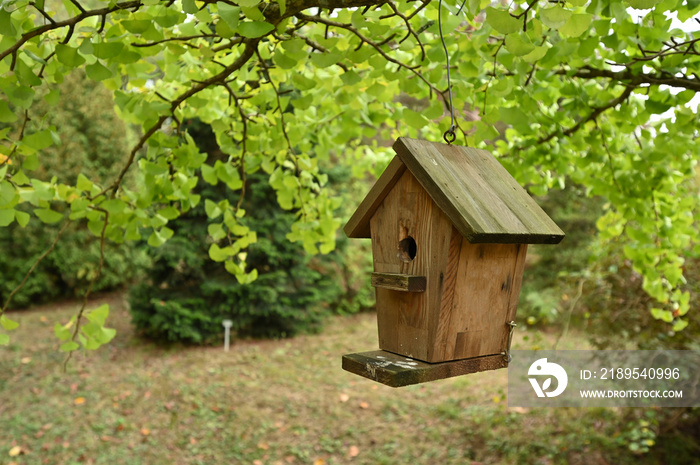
[{"x": 449, "y": 229}]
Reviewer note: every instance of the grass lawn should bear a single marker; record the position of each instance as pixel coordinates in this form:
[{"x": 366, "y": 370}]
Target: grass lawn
[{"x": 268, "y": 402}]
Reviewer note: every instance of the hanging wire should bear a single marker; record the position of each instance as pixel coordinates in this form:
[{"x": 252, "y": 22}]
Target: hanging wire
[{"x": 450, "y": 135}]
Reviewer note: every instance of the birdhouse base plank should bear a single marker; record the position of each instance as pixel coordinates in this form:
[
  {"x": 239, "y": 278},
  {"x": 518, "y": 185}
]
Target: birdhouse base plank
[{"x": 397, "y": 370}]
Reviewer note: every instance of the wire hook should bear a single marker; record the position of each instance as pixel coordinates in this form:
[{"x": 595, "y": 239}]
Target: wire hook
[{"x": 449, "y": 136}]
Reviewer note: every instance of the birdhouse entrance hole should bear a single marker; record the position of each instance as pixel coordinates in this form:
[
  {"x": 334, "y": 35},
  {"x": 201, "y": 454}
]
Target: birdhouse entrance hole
[{"x": 407, "y": 249}]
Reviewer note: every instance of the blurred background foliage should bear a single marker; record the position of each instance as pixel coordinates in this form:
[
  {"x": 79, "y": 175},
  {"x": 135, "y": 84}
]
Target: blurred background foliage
[
  {"x": 187, "y": 296},
  {"x": 93, "y": 142}
]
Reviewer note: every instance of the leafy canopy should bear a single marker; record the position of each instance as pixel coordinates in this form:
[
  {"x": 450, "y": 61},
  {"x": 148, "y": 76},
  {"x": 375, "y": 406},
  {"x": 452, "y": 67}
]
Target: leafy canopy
[{"x": 592, "y": 91}]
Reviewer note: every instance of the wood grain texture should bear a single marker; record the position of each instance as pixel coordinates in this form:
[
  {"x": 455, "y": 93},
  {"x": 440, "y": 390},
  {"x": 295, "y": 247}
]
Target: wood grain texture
[
  {"x": 399, "y": 282},
  {"x": 396, "y": 370},
  {"x": 483, "y": 201},
  {"x": 358, "y": 226},
  {"x": 488, "y": 279},
  {"x": 404, "y": 319}
]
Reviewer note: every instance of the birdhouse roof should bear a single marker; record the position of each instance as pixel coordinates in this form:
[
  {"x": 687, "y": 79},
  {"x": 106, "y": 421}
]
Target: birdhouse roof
[{"x": 481, "y": 199}]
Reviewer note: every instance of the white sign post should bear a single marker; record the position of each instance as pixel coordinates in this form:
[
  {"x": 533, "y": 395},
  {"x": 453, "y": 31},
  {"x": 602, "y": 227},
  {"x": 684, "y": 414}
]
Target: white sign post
[{"x": 227, "y": 335}]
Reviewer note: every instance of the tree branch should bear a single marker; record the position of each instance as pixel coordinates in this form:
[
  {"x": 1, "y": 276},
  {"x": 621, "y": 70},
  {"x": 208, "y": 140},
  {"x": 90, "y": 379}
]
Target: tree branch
[
  {"x": 94, "y": 279},
  {"x": 634, "y": 79},
  {"x": 70, "y": 23},
  {"x": 597, "y": 111},
  {"x": 246, "y": 54},
  {"x": 31, "y": 270}
]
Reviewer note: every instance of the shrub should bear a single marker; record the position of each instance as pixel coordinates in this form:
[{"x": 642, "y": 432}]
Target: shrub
[
  {"x": 188, "y": 296},
  {"x": 93, "y": 142}
]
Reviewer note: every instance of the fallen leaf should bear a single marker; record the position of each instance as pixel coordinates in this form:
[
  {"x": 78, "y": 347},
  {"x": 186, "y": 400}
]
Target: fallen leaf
[
  {"x": 25, "y": 360},
  {"x": 47, "y": 426},
  {"x": 73, "y": 387},
  {"x": 263, "y": 446},
  {"x": 43, "y": 319},
  {"x": 147, "y": 394},
  {"x": 319, "y": 462},
  {"x": 193, "y": 441},
  {"x": 15, "y": 451},
  {"x": 257, "y": 462},
  {"x": 344, "y": 397},
  {"x": 374, "y": 387},
  {"x": 66, "y": 445},
  {"x": 79, "y": 400},
  {"x": 289, "y": 459},
  {"x": 145, "y": 431},
  {"x": 364, "y": 405},
  {"x": 354, "y": 451}
]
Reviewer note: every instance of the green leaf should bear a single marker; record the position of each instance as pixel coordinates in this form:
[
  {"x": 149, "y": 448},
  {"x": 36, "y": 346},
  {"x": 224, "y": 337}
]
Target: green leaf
[
  {"x": 415, "y": 119},
  {"x": 39, "y": 140},
  {"x": 230, "y": 15},
  {"x": 502, "y": 21},
  {"x": 643, "y": 4},
  {"x": 98, "y": 72},
  {"x": 106, "y": 50},
  {"x": 219, "y": 254},
  {"x": 113, "y": 206},
  {"x": 69, "y": 56},
  {"x": 189, "y": 6},
  {"x": 169, "y": 213},
  {"x": 84, "y": 184},
  {"x": 255, "y": 29},
  {"x": 99, "y": 315},
  {"x": 4, "y": 339},
  {"x": 63, "y": 332},
  {"x": 136, "y": 26},
  {"x": 554, "y": 17},
  {"x": 576, "y": 25},
  {"x": 680, "y": 324},
  {"x": 22, "y": 218},
  {"x": 663, "y": 315},
  {"x": 8, "y": 324},
  {"x": 69, "y": 346},
  {"x": 6, "y": 114},
  {"x": 6, "y": 23},
  {"x": 248, "y": 3},
  {"x": 301, "y": 82},
  {"x": 283, "y": 61},
  {"x": 48, "y": 216},
  {"x": 159, "y": 237},
  {"x": 6, "y": 217},
  {"x": 209, "y": 175},
  {"x": 537, "y": 54},
  {"x": 517, "y": 46},
  {"x": 212, "y": 209}
]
